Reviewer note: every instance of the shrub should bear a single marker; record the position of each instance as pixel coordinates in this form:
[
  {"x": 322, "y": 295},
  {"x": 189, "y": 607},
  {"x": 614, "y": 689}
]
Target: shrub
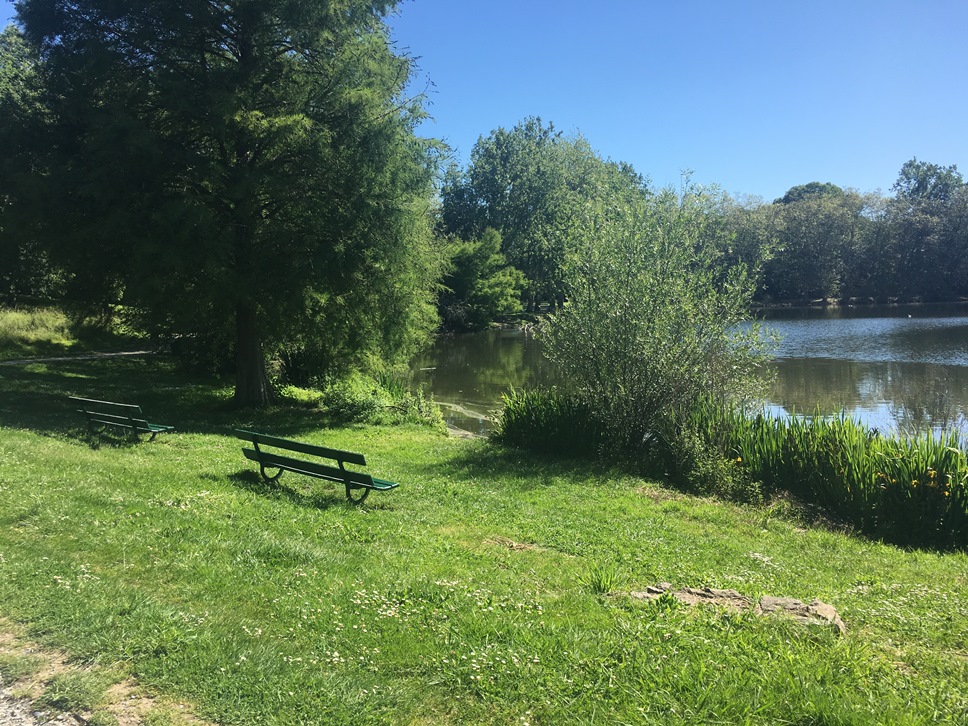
[{"x": 651, "y": 324}]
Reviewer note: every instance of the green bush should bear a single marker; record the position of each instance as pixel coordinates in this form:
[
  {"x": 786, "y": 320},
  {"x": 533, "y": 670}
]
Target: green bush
[
  {"x": 383, "y": 400},
  {"x": 651, "y": 326}
]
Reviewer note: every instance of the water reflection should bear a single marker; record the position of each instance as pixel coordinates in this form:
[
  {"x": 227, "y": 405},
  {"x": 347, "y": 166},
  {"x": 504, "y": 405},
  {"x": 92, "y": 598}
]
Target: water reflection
[
  {"x": 467, "y": 374},
  {"x": 906, "y": 368},
  {"x": 898, "y": 397}
]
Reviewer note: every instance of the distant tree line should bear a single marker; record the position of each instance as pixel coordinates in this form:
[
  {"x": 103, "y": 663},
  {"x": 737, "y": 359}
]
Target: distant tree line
[
  {"x": 819, "y": 241},
  {"x": 533, "y": 185}
]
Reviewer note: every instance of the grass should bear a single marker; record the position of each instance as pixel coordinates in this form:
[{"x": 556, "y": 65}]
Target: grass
[
  {"x": 909, "y": 491},
  {"x": 490, "y": 588},
  {"x": 38, "y": 331}
]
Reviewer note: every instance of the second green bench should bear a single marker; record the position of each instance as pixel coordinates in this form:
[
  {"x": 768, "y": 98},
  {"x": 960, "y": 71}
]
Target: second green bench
[
  {"x": 121, "y": 415},
  {"x": 354, "y": 481}
]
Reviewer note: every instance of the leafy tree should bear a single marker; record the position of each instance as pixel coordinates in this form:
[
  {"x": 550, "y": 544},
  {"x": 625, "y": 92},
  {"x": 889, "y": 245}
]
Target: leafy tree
[
  {"x": 479, "y": 286},
  {"x": 919, "y": 182},
  {"x": 531, "y": 184},
  {"x": 25, "y": 268},
  {"x": 928, "y": 220},
  {"x": 243, "y": 173},
  {"x": 810, "y": 190},
  {"x": 813, "y": 229}
]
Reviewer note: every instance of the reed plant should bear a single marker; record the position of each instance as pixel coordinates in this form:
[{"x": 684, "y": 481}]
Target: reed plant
[
  {"x": 551, "y": 421},
  {"x": 910, "y": 491}
]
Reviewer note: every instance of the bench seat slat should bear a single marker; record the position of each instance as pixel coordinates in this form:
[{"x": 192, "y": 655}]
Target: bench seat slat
[
  {"x": 110, "y": 418},
  {"x": 320, "y": 471},
  {"x": 302, "y": 447},
  {"x": 108, "y": 404}
]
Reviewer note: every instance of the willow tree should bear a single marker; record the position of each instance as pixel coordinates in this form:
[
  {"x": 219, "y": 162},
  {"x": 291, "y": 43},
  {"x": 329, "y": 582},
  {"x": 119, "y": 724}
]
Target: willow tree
[{"x": 242, "y": 171}]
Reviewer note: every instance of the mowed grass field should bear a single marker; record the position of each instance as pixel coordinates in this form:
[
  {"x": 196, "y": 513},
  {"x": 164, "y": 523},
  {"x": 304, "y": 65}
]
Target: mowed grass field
[{"x": 491, "y": 587}]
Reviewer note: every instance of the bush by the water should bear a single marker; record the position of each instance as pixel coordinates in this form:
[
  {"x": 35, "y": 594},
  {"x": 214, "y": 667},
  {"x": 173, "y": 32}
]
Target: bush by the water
[{"x": 550, "y": 421}]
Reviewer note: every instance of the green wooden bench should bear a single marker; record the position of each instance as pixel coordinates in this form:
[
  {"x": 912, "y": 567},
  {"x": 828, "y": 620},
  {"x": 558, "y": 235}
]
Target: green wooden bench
[
  {"x": 354, "y": 481},
  {"x": 122, "y": 415}
]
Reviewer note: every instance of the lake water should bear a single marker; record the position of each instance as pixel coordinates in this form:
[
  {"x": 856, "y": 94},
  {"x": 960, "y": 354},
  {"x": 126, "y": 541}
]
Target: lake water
[{"x": 895, "y": 368}]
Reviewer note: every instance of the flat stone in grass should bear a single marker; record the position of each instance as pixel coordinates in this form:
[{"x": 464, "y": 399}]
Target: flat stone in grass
[{"x": 815, "y": 613}]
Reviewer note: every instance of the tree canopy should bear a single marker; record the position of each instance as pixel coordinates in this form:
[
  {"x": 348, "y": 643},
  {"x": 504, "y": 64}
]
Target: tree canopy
[
  {"x": 244, "y": 173},
  {"x": 531, "y": 184}
]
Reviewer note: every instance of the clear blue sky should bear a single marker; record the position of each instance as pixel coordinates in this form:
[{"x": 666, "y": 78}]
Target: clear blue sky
[{"x": 753, "y": 95}]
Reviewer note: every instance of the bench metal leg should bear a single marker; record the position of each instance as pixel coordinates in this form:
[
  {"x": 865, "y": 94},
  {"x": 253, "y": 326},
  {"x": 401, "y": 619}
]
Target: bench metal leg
[
  {"x": 364, "y": 495},
  {"x": 262, "y": 470}
]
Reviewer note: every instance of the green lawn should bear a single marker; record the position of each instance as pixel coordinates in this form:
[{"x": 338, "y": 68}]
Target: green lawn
[
  {"x": 471, "y": 594},
  {"x": 34, "y": 331}
]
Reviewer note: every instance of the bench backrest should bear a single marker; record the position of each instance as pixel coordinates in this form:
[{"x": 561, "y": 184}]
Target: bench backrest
[
  {"x": 301, "y": 447},
  {"x": 110, "y": 412}
]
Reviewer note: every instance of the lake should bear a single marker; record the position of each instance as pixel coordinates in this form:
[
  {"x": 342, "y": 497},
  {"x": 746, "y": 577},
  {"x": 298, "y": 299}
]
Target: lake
[{"x": 896, "y": 368}]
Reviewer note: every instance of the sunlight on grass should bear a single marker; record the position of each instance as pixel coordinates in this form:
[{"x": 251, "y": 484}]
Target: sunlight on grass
[{"x": 491, "y": 587}]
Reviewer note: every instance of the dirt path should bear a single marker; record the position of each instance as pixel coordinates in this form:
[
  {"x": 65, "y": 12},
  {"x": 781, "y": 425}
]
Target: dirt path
[{"x": 37, "y": 668}]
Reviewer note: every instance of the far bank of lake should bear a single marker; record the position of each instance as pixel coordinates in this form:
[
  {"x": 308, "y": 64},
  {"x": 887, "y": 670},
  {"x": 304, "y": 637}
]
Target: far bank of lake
[{"x": 893, "y": 367}]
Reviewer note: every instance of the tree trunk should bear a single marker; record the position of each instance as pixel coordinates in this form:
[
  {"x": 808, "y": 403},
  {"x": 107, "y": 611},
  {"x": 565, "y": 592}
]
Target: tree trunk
[{"x": 251, "y": 380}]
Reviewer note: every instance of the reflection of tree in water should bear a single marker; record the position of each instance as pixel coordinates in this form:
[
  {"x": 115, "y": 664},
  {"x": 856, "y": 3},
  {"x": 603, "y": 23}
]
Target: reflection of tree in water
[
  {"x": 920, "y": 397},
  {"x": 472, "y": 370},
  {"x": 475, "y": 369},
  {"x": 931, "y": 404}
]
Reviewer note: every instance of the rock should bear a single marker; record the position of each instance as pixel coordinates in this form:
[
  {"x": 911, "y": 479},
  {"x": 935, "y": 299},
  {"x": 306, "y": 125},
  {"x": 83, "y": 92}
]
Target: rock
[
  {"x": 816, "y": 613},
  {"x": 693, "y": 596}
]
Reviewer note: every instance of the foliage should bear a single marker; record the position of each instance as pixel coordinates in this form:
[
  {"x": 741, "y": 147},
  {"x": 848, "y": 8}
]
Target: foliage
[
  {"x": 651, "y": 323},
  {"x": 530, "y": 183},
  {"x": 479, "y": 286},
  {"x": 550, "y": 421},
  {"x": 31, "y": 331},
  {"x": 364, "y": 399},
  {"x": 928, "y": 231},
  {"x": 271, "y": 191},
  {"x": 811, "y": 190},
  {"x": 26, "y": 268},
  {"x": 824, "y": 242}
]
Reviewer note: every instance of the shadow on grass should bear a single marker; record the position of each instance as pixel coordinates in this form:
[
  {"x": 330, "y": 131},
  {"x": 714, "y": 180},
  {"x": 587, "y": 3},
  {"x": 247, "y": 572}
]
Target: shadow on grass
[
  {"x": 251, "y": 482},
  {"x": 35, "y": 396},
  {"x": 105, "y": 438},
  {"x": 529, "y": 470}
]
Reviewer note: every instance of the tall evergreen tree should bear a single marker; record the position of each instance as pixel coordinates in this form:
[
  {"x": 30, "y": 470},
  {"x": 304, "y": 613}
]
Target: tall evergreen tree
[
  {"x": 243, "y": 171},
  {"x": 24, "y": 267}
]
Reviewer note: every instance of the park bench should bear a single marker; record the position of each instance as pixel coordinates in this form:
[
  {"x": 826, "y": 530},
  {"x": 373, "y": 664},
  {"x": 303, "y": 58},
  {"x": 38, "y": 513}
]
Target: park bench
[
  {"x": 354, "y": 481},
  {"x": 122, "y": 415}
]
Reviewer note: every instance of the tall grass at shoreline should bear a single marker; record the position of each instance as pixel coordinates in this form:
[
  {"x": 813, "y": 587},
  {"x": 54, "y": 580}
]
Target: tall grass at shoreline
[{"x": 908, "y": 491}]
